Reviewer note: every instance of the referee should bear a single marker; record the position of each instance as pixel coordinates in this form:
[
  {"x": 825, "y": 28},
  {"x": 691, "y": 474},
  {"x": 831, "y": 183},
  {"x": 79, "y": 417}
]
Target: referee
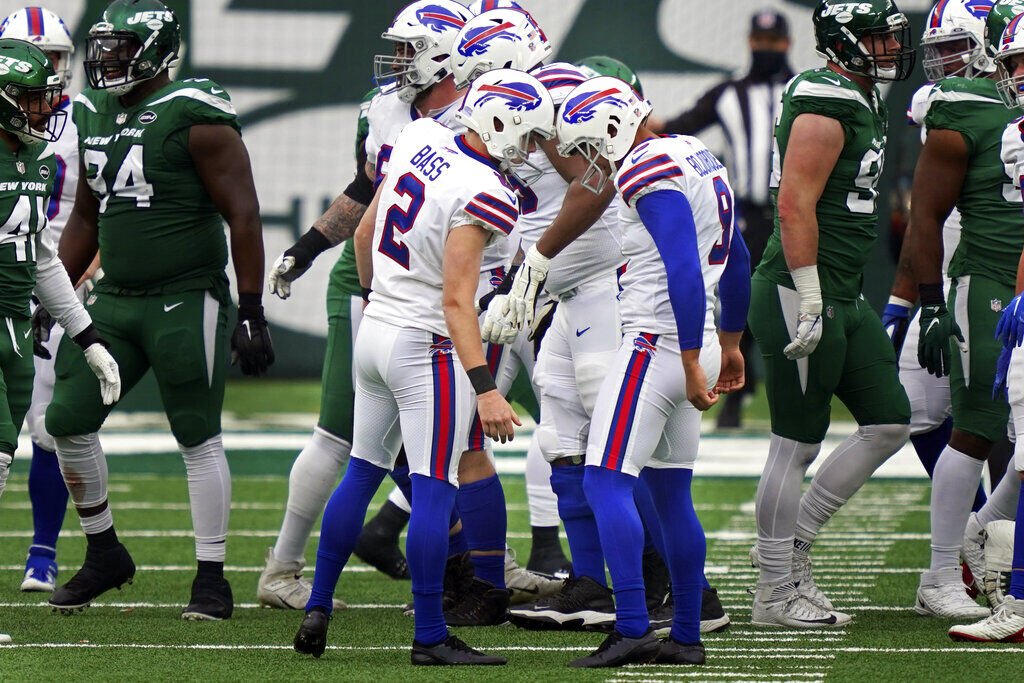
[{"x": 745, "y": 108}]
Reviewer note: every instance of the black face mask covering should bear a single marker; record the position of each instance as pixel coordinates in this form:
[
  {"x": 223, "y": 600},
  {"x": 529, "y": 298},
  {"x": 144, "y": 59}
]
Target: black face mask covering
[{"x": 767, "y": 63}]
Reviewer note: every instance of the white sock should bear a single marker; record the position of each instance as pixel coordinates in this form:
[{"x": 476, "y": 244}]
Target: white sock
[
  {"x": 313, "y": 478},
  {"x": 954, "y": 484},
  {"x": 816, "y": 507},
  {"x": 5, "y": 468},
  {"x": 778, "y": 499},
  {"x": 398, "y": 499},
  {"x": 539, "y": 496},
  {"x": 1002, "y": 503},
  {"x": 84, "y": 468},
  {"x": 209, "y": 494}
]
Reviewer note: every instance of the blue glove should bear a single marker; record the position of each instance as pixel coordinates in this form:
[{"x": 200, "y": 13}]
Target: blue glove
[
  {"x": 1010, "y": 328},
  {"x": 1002, "y": 367},
  {"x": 896, "y": 321}
]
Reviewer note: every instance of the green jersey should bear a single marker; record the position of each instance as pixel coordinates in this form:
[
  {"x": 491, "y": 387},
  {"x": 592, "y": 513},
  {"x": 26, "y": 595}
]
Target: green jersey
[
  {"x": 847, "y": 213},
  {"x": 159, "y": 230},
  {"x": 991, "y": 231},
  {"x": 26, "y": 183}
]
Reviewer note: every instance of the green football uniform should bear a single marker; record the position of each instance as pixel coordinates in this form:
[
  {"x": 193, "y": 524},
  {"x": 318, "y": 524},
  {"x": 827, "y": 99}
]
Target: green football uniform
[
  {"x": 162, "y": 300},
  {"x": 854, "y": 359},
  {"x": 984, "y": 266}
]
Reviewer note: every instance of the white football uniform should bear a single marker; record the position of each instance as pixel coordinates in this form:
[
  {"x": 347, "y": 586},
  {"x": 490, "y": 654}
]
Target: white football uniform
[
  {"x": 409, "y": 385},
  {"x": 642, "y": 418},
  {"x": 1013, "y": 156},
  {"x": 65, "y": 154}
]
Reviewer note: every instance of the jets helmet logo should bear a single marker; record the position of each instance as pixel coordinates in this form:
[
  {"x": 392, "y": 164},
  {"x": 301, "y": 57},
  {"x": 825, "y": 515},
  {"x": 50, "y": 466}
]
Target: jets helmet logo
[
  {"x": 581, "y": 107},
  {"x": 517, "y": 96},
  {"x": 439, "y": 19}
]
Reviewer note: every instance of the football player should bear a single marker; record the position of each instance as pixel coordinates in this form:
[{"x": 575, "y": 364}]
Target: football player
[
  {"x": 964, "y": 163},
  {"x": 46, "y": 489},
  {"x": 419, "y": 358},
  {"x": 29, "y": 90},
  {"x": 678, "y": 234},
  {"x": 817, "y": 334},
  {"x": 162, "y": 162}
]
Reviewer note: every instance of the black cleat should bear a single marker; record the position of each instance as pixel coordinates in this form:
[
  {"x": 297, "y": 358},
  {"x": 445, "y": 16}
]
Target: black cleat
[
  {"x": 378, "y": 543},
  {"x": 458, "y": 574},
  {"x": 211, "y": 599},
  {"x": 450, "y": 652},
  {"x": 657, "y": 582},
  {"x": 672, "y": 652},
  {"x": 546, "y": 554},
  {"x": 712, "y": 615},
  {"x": 617, "y": 650},
  {"x": 581, "y": 605},
  {"x": 481, "y": 605},
  {"x": 312, "y": 636},
  {"x": 661, "y": 616},
  {"x": 102, "y": 570}
]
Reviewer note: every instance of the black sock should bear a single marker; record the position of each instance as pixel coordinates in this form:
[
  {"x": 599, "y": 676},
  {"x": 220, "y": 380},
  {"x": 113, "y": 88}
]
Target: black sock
[
  {"x": 207, "y": 568},
  {"x": 389, "y": 522},
  {"x": 104, "y": 540},
  {"x": 544, "y": 537}
]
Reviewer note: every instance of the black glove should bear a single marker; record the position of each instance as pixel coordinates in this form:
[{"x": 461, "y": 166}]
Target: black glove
[
  {"x": 504, "y": 287},
  {"x": 42, "y": 323},
  {"x": 251, "y": 347},
  {"x": 541, "y": 323}
]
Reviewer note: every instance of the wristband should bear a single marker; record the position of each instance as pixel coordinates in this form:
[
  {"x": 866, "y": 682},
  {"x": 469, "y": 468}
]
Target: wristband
[
  {"x": 897, "y": 301},
  {"x": 366, "y": 294},
  {"x": 250, "y": 306},
  {"x": 309, "y": 246},
  {"x": 88, "y": 337},
  {"x": 481, "y": 379},
  {"x": 805, "y": 280},
  {"x": 931, "y": 294}
]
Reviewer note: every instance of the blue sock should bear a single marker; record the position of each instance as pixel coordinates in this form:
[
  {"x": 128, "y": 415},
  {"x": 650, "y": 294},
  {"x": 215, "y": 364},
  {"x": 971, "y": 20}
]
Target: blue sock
[
  {"x": 929, "y": 447},
  {"x": 1017, "y": 573},
  {"x": 653, "y": 535},
  {"x": 610, "y": 494},
  {"x": 49, "y": 496},
  {"x": 341, "y": 526},
  {"x": 685, "y": 547},
  {"x": 400, "y": 475},
  {"x": 578, "y": 520},
  {"x": 457, "y": 544},
  {"x": 426, "y": 552},
  {"x": 482, "y": 508}
]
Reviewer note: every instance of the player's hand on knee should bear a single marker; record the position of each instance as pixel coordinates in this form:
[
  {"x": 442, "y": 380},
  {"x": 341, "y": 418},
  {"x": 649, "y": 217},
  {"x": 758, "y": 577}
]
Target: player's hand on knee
[
  {"x": 497, "y": 328},
  {"x": 697, "y": 386},
  {"x": 1010, "y": 328},
  {"x": 937, "y": 330},
  {"x": 251, "y": 348},
  {"x": 808, "y": 334},
  {"x": 42, "y": 323},
  {"x": 496, "y": 416},
  {"x": 522, "y": 298},
  {"x": 896, "y": 321}
]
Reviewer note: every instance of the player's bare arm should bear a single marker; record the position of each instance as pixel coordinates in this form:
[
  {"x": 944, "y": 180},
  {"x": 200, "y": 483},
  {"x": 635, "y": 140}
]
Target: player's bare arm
[
  {"x": 79, "y": 242},
  {"x": 462, "y": 253},
  {"x": 904, "y": 284},
  {"x": 363, "y": 242},
  {"x": 340, "y": 220},
  {"x": 938, "y": 179}
]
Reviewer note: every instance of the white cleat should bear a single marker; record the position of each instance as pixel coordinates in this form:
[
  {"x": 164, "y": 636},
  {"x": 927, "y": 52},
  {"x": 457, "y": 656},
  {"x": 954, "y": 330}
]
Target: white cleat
[
  {"x": 998, "y": 560},
  {"x": 4, "y": 638},
  {"x": 527, "y": 586},
  {"x": 942, "y": 594},
  {"x": 281, "y": 585},
  {"x": 804, "y": 580},
  {"x": 972, "y": 549},
  {"x": 780, "y": 604},
  {"x": 1006, "y": 625}
]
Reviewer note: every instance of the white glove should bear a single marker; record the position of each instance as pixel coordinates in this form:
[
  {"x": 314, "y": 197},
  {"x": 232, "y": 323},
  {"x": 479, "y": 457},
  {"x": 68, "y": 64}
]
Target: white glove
[
  {"x": 496, "y": 328},
  {"x": 523, "y": 296},
  {"x": 808, "y": 326},
  {"x": 279, "y": 279},
  {"x": 105, "y": 368}
]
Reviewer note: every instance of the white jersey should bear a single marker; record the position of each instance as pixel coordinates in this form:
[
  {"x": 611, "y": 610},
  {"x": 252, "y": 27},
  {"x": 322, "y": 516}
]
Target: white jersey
[
  {"x": 1012, "y": 153},
  {"x": 65, "y": 182},
  {"x": 683, "y": 164},
  {"x": 435, "y": 183}
]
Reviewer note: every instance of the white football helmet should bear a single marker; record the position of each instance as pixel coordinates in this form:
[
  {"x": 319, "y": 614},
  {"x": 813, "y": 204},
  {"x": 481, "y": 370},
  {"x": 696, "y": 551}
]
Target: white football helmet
[
  {"x": 954, "y": 39},
  {"x": 45, "y": 30},
  {"x": 481, "y": 6},
  {"x": 498, "y": 39},
  {"x": 424, "y": 36},
  {"x": 506, "y": 108},
  {"x": 1009, "y": 54},
  {"x": 600, "y": 118}
]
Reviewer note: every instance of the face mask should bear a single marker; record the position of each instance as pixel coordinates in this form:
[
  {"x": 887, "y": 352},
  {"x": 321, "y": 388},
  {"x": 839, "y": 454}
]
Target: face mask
[{"x": 767, "y": 63}]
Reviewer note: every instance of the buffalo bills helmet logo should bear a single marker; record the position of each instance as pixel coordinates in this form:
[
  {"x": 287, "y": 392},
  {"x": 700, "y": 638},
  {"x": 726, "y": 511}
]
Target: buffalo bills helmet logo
[
  {"x": 439, "y": 19},
  {"x": 517, "y": 96},
  {"x": 581, "y": 108},
  {"x": 478, "y": 40},
  {"x": 979, "y": 8}
]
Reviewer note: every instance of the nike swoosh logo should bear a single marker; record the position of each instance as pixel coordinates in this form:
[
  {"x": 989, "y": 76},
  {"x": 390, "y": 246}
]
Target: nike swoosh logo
[
  {"x": 932, "y": 324},
  {"x": 27, "y": 332},
  {"x": 580, "y": 333},
  {"x": 168, "y": 309},
  {"x": 833, "y": 82},
  {"x": 217, "y": 91}
]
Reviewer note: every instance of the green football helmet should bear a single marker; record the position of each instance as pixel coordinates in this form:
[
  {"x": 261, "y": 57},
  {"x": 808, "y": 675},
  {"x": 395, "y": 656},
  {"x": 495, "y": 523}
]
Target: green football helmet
[
  {"x": 853, "y": 35},
  {"x": 135, "y": 41},
  {"x": 601, "y": 65},
  {"x": 999, "y": 17},
  {"x": 29, "y": 88}
]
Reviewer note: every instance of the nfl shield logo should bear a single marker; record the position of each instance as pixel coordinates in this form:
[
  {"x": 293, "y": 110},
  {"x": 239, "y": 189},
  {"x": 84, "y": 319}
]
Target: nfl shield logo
[
  {"x": 997, "y": 305},
  {"x": 830, "y": 312},
  {"x": 121, "y": 118},
  {"x": 91, "y": 300},
  {"x": 20, "y": 165}
]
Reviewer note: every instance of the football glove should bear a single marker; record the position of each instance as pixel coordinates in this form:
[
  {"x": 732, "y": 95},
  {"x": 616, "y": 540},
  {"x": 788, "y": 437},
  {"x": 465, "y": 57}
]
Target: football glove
[
  {"x": 541, "y": 324},
  {"x": 933, "y": 348},
  {"x": 251, "y": 348},
  {"x": 1010, "y": 328},
  {"x": 496, "y": 328},
  {"x": 42, "y": 323},
  {"x": 896, "y": 321},
  {"x": 101, "y": 363},
  {"x": 519, "y": 307},
  {"x": 295, "y": 261},
  {"x": 808, "y": 334},
  {"x": 1002, "y": 368}
]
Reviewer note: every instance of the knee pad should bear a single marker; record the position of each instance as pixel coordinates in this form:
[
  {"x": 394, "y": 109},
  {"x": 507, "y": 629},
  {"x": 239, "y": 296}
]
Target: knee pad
[
  {"x": 590, "y": 373},
  {"x": 547, "y": 439},
  {"x": 889, "y": 437},
  {"x": 35, "y": 420}
]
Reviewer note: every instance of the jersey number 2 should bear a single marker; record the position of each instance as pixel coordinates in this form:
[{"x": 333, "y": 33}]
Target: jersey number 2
[
  {"x": 401, "y": 219},
  {"x": 723, "y": 197}
]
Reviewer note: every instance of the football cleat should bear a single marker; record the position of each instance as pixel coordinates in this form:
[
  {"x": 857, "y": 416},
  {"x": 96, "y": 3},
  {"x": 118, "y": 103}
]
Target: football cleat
[
  {"x": 549, "y": 559},
  {"x": 712, "y": 615},
  {"x": 381, "y": 551},
  {"x": 1005, "y": 625},
  {"x": 4, "y": 638},
  {"x": 657, "y": 582},
  {"x": 451, "y": 652},
  {"x": 101, "y": 571},
  {"x": 311, "y": 638},
  {"x": 458, "y": 574},
  {"x": 481, "y": 605},
  {"x": 972, "y": 551},
  {"x": 998, "y": 560},
  {"x": 618, "y": 650},
  {"x": 281, "y": 585},
  {"x": 673, "y": 652},
  {"x": 803, "y": 579},
  {"x": 526, "y": 585},
  {"x": 942, "y": 594},
  {"x": 781, "y": 604},
  {"x": 661, "y": 617},
  {"x": 581, "y": 605},
  {"x": 211, "y": 599},
  {"x": 40, "y": 574}
]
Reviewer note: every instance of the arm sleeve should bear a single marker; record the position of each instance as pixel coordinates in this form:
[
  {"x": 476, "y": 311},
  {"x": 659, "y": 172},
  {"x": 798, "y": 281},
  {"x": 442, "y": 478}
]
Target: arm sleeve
[
  {"x": 55, "y": 290},
  {"x": 668, "y": 218},
  {"x": 361, "y": 188},
  {"x": 702, "y": 115},
  {"x": 734, "y": 286}
]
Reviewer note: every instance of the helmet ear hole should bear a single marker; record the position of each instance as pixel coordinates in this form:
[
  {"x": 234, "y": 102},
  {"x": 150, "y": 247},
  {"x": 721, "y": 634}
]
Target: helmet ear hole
[{"x": 498, "y": 125}]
